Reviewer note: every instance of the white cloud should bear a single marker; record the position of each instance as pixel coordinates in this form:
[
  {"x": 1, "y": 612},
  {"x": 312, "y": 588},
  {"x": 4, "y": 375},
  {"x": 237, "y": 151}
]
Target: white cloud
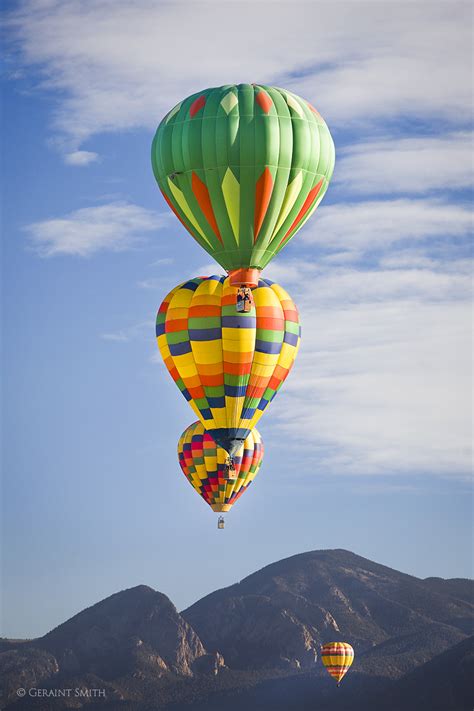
[
  {"x": 162, "y": 262},
  {"x": 136, "y": 331},
  {"x": 114, "y": 226},
  {"x": 380, "y": 223},
  {"x": 155, "y": 358},
  {"x": 373, "y": 286},
  {"x": 154, "y": 284},
  {"x": 398, "y": 74},
  {"x": 117, "y": 65},
  {"x": 407, "y": 165},
  {"x": 80, "y": 158},
  {"x": 412, "y": 258},
  {"x": 118, "y": 336},
  {"x": 382, "y": 381}
]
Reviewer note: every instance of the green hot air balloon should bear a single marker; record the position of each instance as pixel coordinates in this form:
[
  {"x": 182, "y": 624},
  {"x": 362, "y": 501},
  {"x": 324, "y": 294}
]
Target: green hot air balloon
[{"x": 243, "y": 167}]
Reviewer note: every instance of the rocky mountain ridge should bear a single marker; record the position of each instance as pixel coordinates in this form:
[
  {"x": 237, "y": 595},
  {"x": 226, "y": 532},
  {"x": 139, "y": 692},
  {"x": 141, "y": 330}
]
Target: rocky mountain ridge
[
  {"x": 249, "y": 640},
  {"x": 280, "y": 615}
]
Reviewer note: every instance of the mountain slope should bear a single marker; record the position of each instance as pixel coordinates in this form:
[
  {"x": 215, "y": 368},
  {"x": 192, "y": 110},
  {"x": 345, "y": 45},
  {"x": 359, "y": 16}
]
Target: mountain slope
[
  {"x": 147, "y": 657},
  {"x": 134, "y": 638},
  {"x": 280, "y": 615},
  {"x": 107, "y": 638},
  {"x": 444, "y": 683},
  {"x": 460, "y": 588}
]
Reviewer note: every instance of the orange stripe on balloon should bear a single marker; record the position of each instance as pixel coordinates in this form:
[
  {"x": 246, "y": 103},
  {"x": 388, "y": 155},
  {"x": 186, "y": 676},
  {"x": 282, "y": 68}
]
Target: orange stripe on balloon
[
  {"x": 201, "y": 193},
  {"x": 213, "y": 381},
  {"x": 312, "y": 195},
  {"x": 193, "y": 382},
  {"x": 280, "y": 373},
  {"x": 264, "y": 101},
  {"x": 263, "y": 193},
  {"x": 210, "y": 368},
  {"x": 197, "y": 105},
  {"x": 237, "y": 368},
  {"x": 270, "y": 311},
  {"x": 177, "y": 324},
  {"x": 228, "y": 299},
  {"x": 196, "y": 392},
  {"x": 277, "y": 324},
  {"x": 315, "y": 111},
  {"x": 232, "y": 357}
]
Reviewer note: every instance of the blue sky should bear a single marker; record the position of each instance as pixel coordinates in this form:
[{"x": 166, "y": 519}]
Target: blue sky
[{"x": 367, "y": 444}]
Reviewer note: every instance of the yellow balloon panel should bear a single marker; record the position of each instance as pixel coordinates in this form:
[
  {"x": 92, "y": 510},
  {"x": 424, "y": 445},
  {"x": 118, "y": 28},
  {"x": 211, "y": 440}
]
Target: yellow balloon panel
[
  {"x": 337, "y": 657},
  {"x": 204, "y": 464},
  {"x": 229, "y": 365}
]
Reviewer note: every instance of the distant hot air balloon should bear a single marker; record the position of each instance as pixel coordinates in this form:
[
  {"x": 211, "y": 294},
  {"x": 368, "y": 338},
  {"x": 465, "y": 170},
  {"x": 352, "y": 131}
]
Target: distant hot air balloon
[
  {"x": 228, "y": 365},
  {"x": 243, "y": 167},
  {"x": 207, "y": 467},
  {"x": 337, "y": 657}
]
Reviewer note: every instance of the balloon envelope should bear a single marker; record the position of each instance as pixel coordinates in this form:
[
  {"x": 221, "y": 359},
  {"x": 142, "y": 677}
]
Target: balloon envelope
[
  {"x": 228, "y": 365},
  {"x": 204, "y": 465},
  {"x": 243, "y": 167},
  {"x": 337, "y": 657}
]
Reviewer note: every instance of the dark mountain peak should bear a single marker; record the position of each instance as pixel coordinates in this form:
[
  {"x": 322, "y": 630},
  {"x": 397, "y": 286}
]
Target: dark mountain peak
[
  {"x": 137, "y": 600},
  {"x": 138, "y": 623},
  {"x": 271, "y": 624},
  {"x": 294, "y": 605},
  {"x": 460, "y": 588},
  {"x": 315, "y": 563},
  {"x": 299, "y": 573},
  {"x": 137, "y": 590}
]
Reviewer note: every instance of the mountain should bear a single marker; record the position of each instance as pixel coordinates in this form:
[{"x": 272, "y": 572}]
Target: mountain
[
  {"x": 445, "y": 682},
  {"x": 109, "y": 637},
  {"x": 279, "y": 616},
  {"x": 255, "y": 645},
  {"x": 136, "y": 635},
  {"x": 461, "y": 588}
]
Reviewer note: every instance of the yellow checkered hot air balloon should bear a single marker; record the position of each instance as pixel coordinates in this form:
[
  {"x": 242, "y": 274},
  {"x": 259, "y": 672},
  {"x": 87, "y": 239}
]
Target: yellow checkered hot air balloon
[
  {"x": 337, "y": 657},
  {"x": 206, "y": 466},
  {"x": 229, "y": 365}
]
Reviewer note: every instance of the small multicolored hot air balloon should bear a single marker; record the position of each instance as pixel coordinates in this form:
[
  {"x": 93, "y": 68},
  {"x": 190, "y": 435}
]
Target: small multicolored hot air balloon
[
  {"x": 228, "y": 365},
  {"x": 207, "y": 468},
  {"x": 243, "y": 167},
  {"x": 337, "y": 657}
]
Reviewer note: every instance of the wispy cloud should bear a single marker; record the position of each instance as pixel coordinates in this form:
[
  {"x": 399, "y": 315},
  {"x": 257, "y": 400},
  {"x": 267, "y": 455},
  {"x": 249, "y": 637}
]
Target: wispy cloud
[
  {"x": 399, "y": 76},
  {"x": 407, "y": 165},
  {"x": 115, "y": 227},
  {"x": 154, "y": 283},
  {"x": 139, "y": 330},
  {"x": 381, "y": 223},
  {"x": 382, "y": 382},
  {"x": 80, "y": 158},
  {"x": 118, "y": 336},
  {"x": 382, "y": 379},
  {"x": 358, "y": 62},
  {"x": 163, "y": 261},
  {"x": 412, "y": 258}
]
